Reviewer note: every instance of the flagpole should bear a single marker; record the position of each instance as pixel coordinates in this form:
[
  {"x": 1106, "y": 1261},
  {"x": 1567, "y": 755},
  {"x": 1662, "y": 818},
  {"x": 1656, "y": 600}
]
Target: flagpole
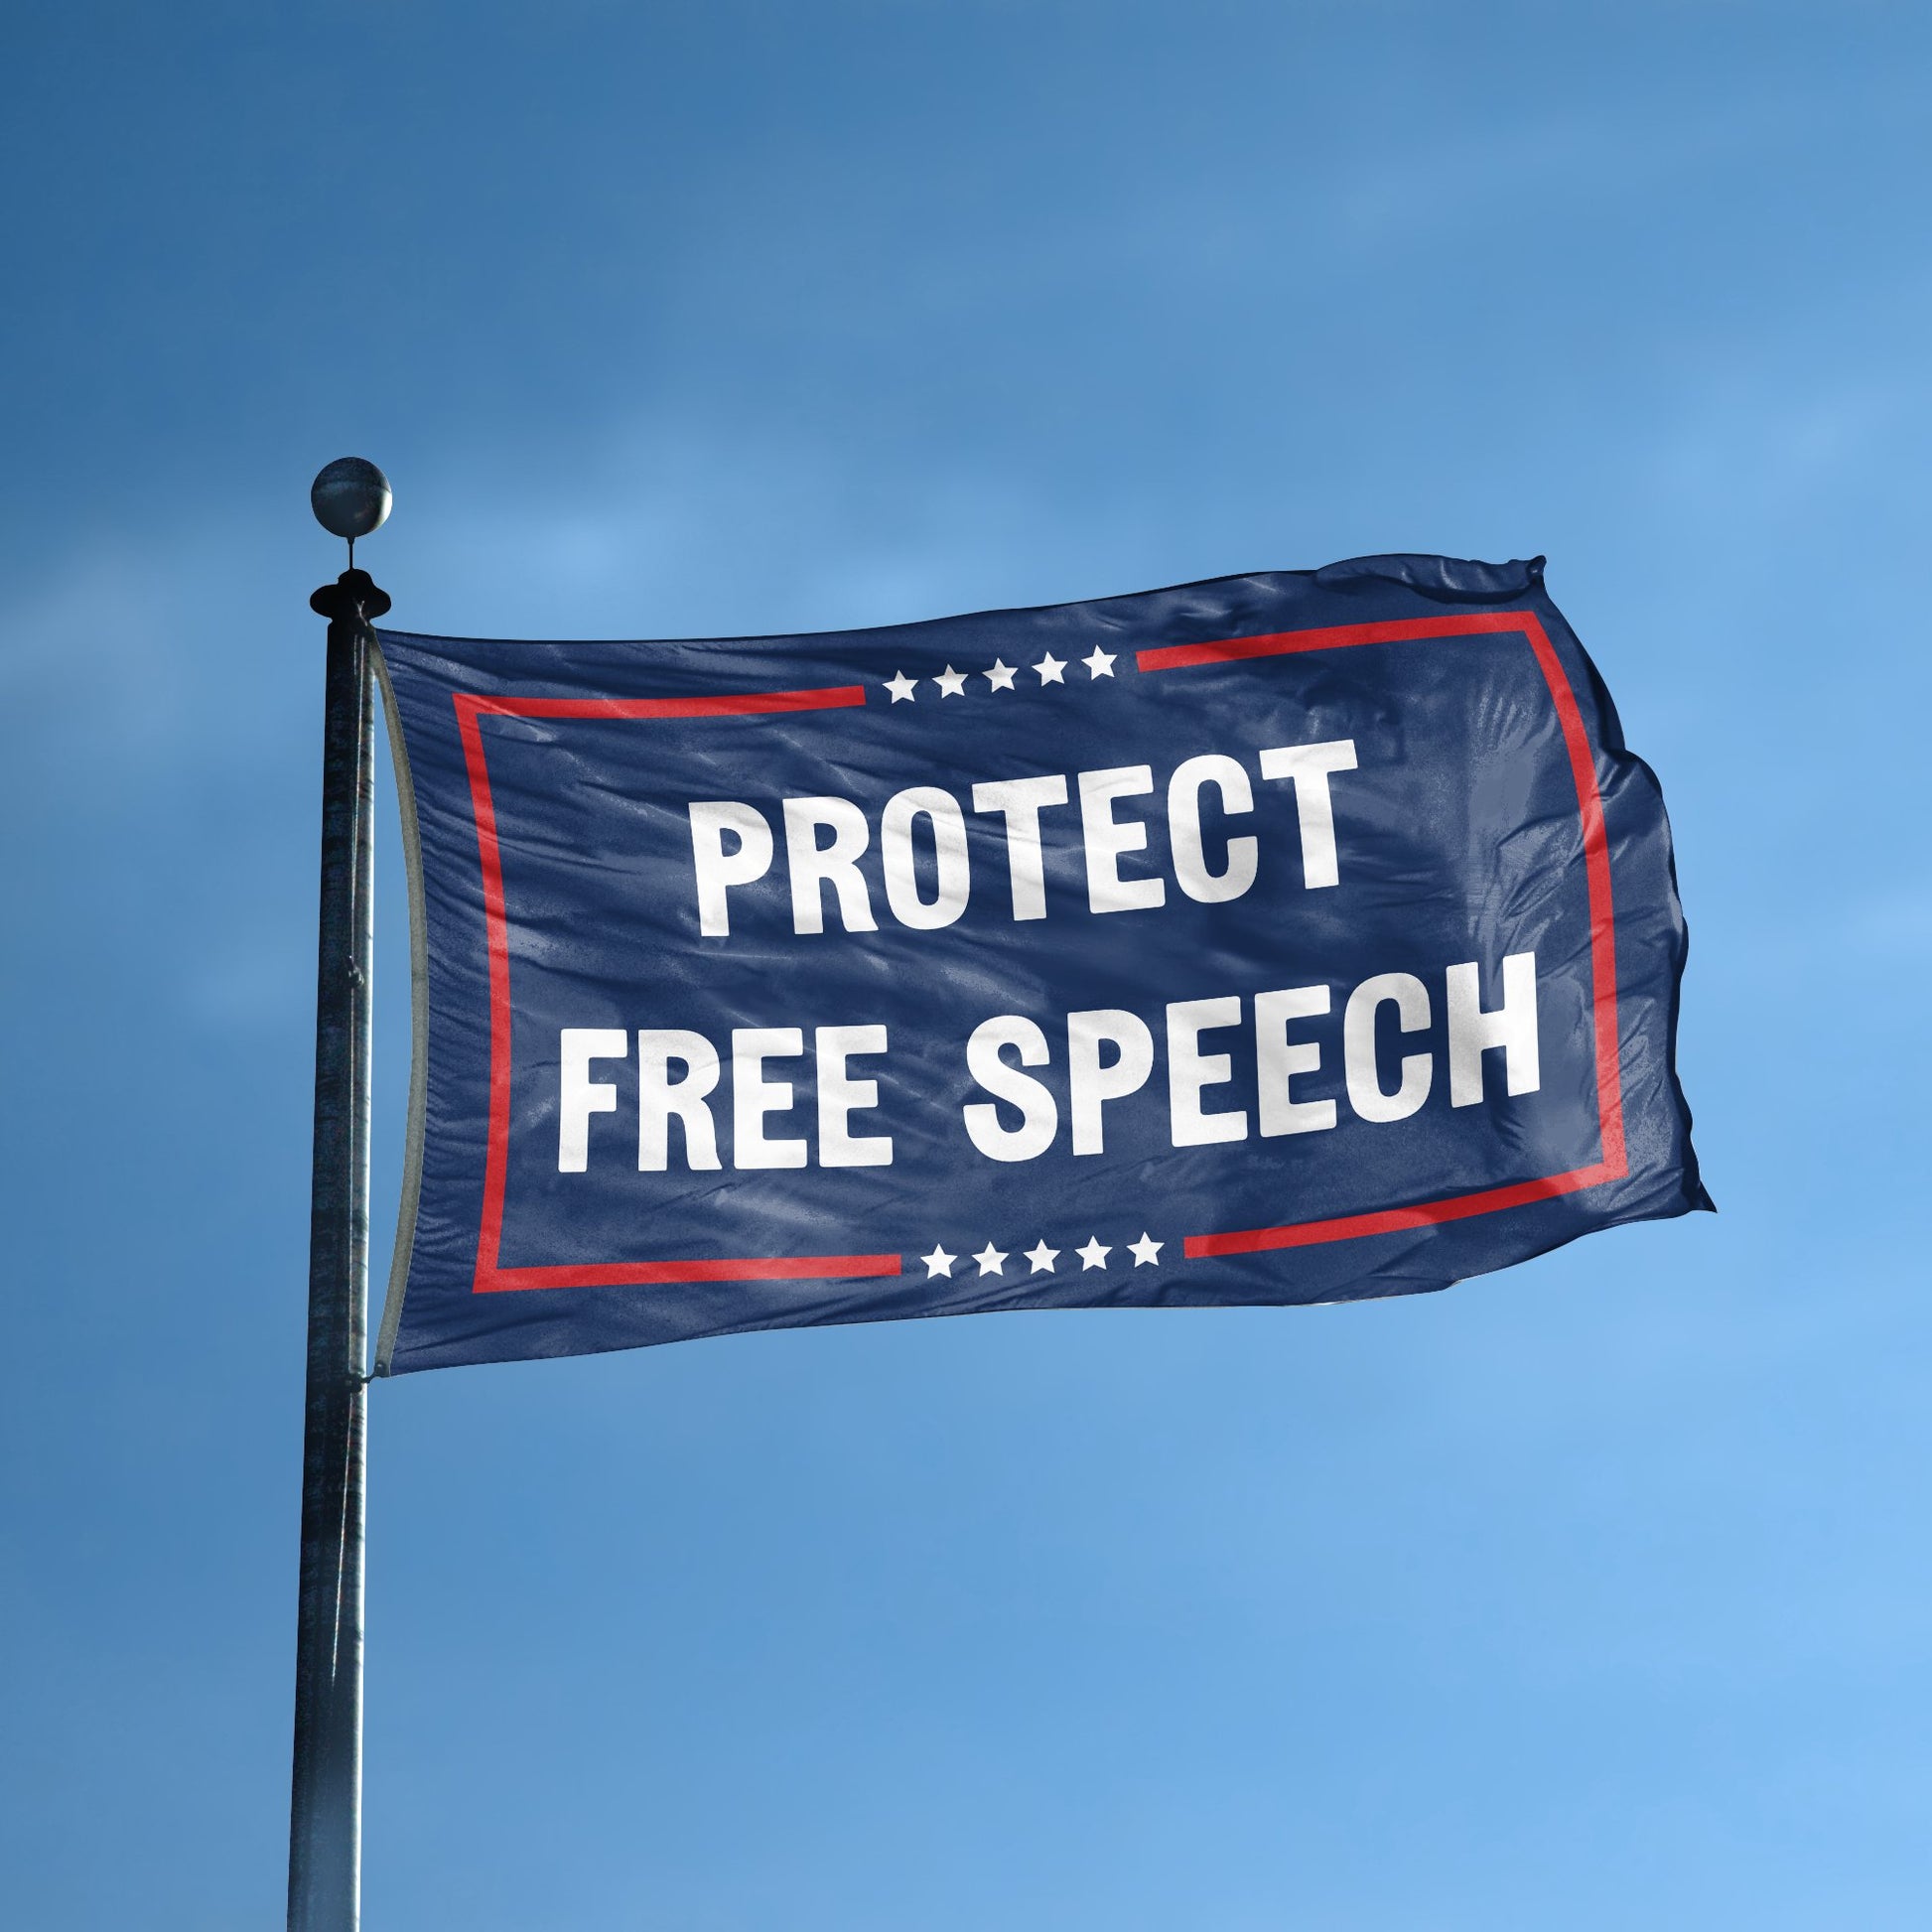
[{"x": 350, "y": 498}]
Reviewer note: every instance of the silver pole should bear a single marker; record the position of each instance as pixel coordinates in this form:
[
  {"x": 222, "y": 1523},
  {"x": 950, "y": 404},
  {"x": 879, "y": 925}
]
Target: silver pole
[{"x": 326, "y": 1811}]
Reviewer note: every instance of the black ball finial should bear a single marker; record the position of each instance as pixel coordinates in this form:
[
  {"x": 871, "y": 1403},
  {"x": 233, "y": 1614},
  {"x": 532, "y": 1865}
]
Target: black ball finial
[{"x": 351, "y": 497}]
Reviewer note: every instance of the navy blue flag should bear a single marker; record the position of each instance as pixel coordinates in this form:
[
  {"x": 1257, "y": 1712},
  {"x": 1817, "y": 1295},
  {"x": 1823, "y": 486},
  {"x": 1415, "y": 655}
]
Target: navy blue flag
[{"x": 1288, "y": 938}]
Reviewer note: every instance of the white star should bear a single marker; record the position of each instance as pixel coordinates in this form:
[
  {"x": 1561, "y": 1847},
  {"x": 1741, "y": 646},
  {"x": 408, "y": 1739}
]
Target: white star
[
  {"x": 938, "y": 1262},
  {"x": 991, "y": 1260},
  {"x": 1146, "y": 1251},
  {"x": 902, "y": 687},
  {"x": 1000, "y": 675},
  {"x": 1042, "y": 1258},
  {"x": 951, "y": 683},
  {"x": 1099, "y": 663},
  {"x": 1093, "y": 1255},
  {"x": 1049, "y": 669}
]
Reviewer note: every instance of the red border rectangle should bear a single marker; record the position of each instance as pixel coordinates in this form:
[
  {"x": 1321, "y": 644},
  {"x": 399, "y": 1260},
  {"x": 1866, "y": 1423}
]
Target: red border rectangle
[{"x": 492, "y": 1278}]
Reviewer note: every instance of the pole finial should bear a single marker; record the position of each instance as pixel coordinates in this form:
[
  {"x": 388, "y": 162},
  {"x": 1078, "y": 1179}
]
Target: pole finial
[{"x": 351, "y": 497}]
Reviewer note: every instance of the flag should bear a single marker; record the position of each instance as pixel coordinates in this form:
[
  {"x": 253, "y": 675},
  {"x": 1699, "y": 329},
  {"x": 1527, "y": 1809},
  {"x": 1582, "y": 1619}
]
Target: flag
[{"x": 1296, "y": 937}]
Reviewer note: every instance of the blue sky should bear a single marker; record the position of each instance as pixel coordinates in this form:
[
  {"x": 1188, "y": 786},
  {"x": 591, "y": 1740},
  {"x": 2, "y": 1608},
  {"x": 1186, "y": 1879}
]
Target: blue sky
[{"x": 1594, "y": 1594}]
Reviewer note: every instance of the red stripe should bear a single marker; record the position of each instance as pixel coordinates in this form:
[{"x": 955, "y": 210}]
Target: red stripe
[
  {"x": 1602, "y": 920},
  {"x": 638, "y": 1274},
  {"x": 496, "y": 931},
  {"x": 741, "y": 704},
  {"x": 1392, "y": 1221},
  {"x": 1277, "y": 644}
]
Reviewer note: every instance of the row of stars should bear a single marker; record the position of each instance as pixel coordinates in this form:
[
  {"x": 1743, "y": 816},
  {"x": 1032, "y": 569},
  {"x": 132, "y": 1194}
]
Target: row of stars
[
  {"x": 953, "y": 683},
  {"x": 1146, "y": 1252}
]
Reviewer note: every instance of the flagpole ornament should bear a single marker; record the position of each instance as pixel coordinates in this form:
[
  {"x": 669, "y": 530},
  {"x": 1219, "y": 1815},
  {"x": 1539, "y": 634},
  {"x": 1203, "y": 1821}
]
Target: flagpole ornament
[{"x": 350, "y": 498}]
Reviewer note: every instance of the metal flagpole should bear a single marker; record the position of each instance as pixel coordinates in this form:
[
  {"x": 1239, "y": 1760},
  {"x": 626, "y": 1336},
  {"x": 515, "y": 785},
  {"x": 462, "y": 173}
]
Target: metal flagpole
[{"x": 350, "y": 498}]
